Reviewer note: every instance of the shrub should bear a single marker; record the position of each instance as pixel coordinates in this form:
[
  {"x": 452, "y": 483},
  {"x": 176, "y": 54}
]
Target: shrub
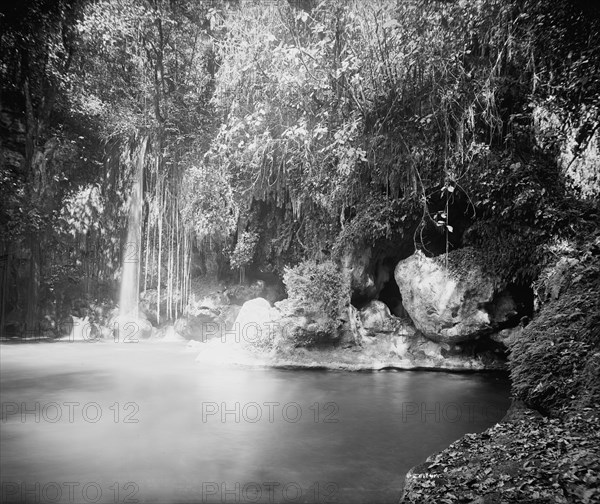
[
  {"x": 244, "y": 251},
  {"x": 319, "y": 288},
  {"x": 319, "y": 291}
]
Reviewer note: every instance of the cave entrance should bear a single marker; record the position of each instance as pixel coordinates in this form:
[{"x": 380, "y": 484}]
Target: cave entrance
[
  {"x": 523, "y": 296},
  {"x": 359, "y": 301},
  {"x": 390, "y": 295}
]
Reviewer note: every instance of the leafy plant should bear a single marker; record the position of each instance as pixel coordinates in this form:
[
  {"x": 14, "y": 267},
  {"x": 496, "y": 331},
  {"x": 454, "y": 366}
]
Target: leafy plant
[
  {"x": 554, "y": 363},
  {"x": 244, "y": 250},
  {"x": 319, "y": 291},
  {"x": 317, "y": 287}
]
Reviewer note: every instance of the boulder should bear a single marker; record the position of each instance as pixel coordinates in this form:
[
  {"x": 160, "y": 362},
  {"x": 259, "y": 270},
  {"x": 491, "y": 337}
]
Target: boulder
[
  {"x": 311, "y": 331},
  {"x": 376, "y": 318},
  {"x": 507, "y": 336},
  {"x": 206, "y": 314},
  {"x": 214, "y": 310},
  {"x": 256, "y": 325},
  {"x": 451, "y": 301},
  {"x": 374, "y": 321},
  {"x": 201, "y": 327},
  {"x": 228, "y": 315},
  {"x": 191, "y": 328},
  {"x": 303, "y": 325}
]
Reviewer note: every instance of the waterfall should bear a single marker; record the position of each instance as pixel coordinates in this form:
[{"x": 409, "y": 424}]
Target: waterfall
[{"x": 130, "y": 279}]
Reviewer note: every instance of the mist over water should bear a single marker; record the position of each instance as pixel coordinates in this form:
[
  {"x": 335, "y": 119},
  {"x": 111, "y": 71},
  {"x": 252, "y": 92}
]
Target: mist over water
[{"x": 146, "y": 422}]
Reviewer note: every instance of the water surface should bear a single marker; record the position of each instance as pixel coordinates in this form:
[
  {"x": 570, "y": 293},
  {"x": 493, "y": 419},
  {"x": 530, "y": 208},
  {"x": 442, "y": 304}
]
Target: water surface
[{"x": 110, "y": 423}]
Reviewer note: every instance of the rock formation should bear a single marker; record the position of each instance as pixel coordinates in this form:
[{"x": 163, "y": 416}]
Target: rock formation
[{"x": 452, "y": 301}]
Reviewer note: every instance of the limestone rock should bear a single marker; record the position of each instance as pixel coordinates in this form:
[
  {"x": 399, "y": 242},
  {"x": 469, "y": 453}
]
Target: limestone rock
[
  {"x": 256, "y": 324},
  {"x": 377, "y": 318},
  {"x": 193, "y": 328},
  {"x": 356, "y": 265},
  {"x": 507, "y": 336},
  {"x": 228, "y": 315},
  {"x": 351, "y": 331},
  {"x": 311, "y": 331},
  {"x": 450, "y": 304}
]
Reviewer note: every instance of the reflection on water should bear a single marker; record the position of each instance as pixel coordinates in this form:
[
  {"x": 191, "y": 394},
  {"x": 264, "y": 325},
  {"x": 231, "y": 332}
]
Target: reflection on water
[{"x": 119, "y": 423}]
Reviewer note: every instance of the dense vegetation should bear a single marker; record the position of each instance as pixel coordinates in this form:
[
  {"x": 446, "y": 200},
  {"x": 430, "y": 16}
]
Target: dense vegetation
[
  {"x": 554, "y": 367},
  {"x": 285, "y": 137},
  {"x": 272, "y": 135},
  {"x": 269, "y": 133}
]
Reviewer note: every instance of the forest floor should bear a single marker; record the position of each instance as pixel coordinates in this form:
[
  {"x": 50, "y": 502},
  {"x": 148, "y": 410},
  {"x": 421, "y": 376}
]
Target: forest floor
[{"x": 524, "y": 458}]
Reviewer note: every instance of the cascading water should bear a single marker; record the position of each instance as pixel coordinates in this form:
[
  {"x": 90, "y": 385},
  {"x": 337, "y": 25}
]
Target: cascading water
[{"x": 129, "y": 295}]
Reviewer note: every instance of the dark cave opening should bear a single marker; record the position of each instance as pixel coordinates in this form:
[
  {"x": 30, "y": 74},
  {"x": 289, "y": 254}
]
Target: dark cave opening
[
  {"x": 390, "y": 295},
  {"x": 524, "y": 298},
  {"x": 359, "y": 301},
  {"x": 385, "y": 288}
]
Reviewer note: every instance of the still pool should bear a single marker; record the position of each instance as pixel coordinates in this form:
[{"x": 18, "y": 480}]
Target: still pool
[{"x": 110, "y": 423}]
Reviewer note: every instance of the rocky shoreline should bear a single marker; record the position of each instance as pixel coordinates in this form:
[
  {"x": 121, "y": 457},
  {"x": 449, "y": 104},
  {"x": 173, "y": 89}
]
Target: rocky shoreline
[
  {"x": 524, "y": 458},
  {"x": 450, "y": 315},
  {"x": 333, "y": 359}
]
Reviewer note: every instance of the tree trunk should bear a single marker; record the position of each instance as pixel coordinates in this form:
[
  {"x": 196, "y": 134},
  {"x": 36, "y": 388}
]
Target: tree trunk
[
  {"x": 33, "y": 289},
  {"x": 37, "y": 186},
  {"x": 159, "y": 263}
]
